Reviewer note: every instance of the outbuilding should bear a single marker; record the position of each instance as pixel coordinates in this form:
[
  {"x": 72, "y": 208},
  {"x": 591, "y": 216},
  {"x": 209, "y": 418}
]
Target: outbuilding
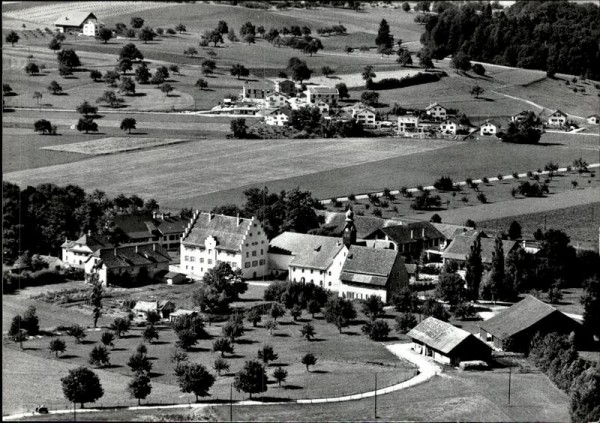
[
  {"x": 513, "y": 328},
  {"x": 446, "y": 343}
]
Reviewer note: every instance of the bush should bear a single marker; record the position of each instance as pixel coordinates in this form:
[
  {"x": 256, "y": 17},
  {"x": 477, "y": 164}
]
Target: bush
[
  {"x": 445, "y": 183},
  {"x": 405, "y": 322},
  {"x": 377, "y": 330}
]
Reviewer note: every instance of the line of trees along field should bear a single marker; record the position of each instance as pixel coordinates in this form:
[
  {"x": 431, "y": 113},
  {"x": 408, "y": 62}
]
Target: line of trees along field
[{"x": 556, "y": 36}]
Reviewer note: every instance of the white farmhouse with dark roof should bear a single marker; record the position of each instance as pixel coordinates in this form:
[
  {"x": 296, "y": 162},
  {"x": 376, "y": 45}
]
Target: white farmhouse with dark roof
[
  {"x": 436, "y": 111},
  {"x": 75, "y": 253},
  {"x": 489, "y": 127},
  {"x": 85, "y": 22},
  {"x": 210, "y": 239}
]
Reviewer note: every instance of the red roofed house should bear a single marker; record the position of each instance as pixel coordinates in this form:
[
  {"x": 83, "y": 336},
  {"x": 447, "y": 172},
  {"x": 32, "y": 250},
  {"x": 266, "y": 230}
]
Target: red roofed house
[
  {"x": 85, "y": 22},
  {"x": 513, "y": 328},
  {"x": 446, "y": 343},
  {"x": 209, "y": 239},
  {"x": 112, "y": 264}
]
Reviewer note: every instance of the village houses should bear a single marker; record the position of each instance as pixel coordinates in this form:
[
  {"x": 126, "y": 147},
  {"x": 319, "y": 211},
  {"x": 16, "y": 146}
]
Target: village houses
[
  {"x": 557, "y": 118},
  {"x": 436, "y": 111},
  {"x": 489, "y": 127}
]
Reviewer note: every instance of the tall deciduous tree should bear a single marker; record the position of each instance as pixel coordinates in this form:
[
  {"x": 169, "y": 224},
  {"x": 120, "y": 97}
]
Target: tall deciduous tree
[
  {"x": 339, "y": 312},
  {"x": 82, "y": 385},
  {"x": 139, "y": 386},
  {"x": 196, "y": 379},
  {"x": 12, "y": 37},
  {"x": 252, "y": 379},
  {"x": 474, "y": 269}
]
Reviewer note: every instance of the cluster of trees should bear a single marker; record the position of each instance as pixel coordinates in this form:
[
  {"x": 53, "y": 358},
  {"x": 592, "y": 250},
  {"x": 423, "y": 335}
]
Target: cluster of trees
[
  {"x": 528, "y": 131},
  {"x": 552, "y": 36},
  {"x": 334, "y": 29},
  {"x": 557, "y": 357},
  {"x": 38, "y": 219},
  {"x": 426, "y": 201},
  {"x": 407, "y": 81},
  {"x": 221, "y": 286}
]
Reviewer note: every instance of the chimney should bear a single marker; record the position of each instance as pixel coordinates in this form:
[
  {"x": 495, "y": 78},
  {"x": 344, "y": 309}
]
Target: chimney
[
  {"x": 89, "y": 232},
  {"x": 423, "y": 232},
  {"x": 412, "y": 234}
]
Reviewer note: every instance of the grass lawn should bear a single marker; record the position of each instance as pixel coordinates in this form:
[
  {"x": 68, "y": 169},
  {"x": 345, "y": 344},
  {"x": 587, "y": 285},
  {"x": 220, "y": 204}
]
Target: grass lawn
[
  {"x": 348, "y": 357},
  {"x": 455, "y": 396}
]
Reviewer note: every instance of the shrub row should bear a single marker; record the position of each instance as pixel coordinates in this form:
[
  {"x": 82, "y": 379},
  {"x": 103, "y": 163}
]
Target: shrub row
[{"x": 407, "y": 81}]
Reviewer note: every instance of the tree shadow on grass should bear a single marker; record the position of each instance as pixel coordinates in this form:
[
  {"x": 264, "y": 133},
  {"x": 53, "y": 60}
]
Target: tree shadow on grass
[
  {"x": 198, "y": 349},
  {"x": 350, "y": 333},
  {"x": 317, "y": 340},
  {"x": 87, "y": 342},
  {"x": 246, "y": 341},
  {"x": 137, "y": 133},
  {"x": 67, "y": 356},
  {"x": 320, "y": 372},
  {"x": 271, "y": 399},
  {"x": 281, "y": 335},
  {"x": 119, "y": 349},
  {"x": 137, "y": 95},
  {"x": 112, "y": 366},
  {"x": 153, "y": 374},
  {"x": 279, "y": 365},
  {"x": 234, "y": 356},
  {"x": 292, "y": 387},
  {"x": 173, "y": 95},
  {"x": 61, "y": 94},
  {"x": 159, "y": 343}
]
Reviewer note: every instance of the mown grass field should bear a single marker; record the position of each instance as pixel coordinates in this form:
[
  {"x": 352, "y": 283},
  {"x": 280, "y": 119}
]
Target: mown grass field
[
  {"x": 180, "y": 173},
  {"x": 113, "y": 145},
  {"x": 455, "y": 396}
]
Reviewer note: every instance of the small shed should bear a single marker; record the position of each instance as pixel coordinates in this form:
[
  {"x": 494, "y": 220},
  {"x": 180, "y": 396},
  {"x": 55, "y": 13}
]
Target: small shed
[
  {"x": 180, "y": 313},
  {"x": 163, "y": 307},
  {"x": 174, "y": 278},
  {"x": 446, "y": 343}
]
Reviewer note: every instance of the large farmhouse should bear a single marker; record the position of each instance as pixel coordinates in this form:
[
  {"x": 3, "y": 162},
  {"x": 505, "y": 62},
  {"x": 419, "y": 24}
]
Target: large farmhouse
[
  {"x": 209, "y": 239},
  {"x": 372, "y": 271},
  {"x": 84, "y": 22},
  {"x": 446, "y": 343},
  {"x": 410, "y": 238},
  {"x": 151, "y": 227},
  {"x": 512, "y": 329}
]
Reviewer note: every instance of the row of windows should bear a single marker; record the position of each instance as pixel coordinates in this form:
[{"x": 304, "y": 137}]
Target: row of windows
[
  {"x": 311, "y": 271},
  {"x": 254, "y": 253},
  {"x": 170, "y": 237},
  {"x": 312, "y": 281},
  {"x": 230, "y": 263},
  {"x": 255, "y": 243},
  {"x": 254, "y": 263}
]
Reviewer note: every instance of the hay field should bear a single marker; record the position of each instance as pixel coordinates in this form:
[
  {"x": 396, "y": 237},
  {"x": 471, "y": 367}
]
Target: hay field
[
  {"x": 47, "y": 14},
  {"x": 181, "y": 172},
  {"x": 113, "y": 145}
]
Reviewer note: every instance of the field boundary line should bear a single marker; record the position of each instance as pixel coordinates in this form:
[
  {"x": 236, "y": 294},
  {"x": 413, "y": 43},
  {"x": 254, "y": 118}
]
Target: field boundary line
[{"x": 365, "y": 196}]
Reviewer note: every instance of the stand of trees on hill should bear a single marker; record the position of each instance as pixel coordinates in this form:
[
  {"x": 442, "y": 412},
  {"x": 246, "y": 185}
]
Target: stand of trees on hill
[{"x": 553, "y": 36}]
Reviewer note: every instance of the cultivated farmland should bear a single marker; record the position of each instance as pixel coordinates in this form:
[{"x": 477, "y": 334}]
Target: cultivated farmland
[{"x": 113, "y": 145}]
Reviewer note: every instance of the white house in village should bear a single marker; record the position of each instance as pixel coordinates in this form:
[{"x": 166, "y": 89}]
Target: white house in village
[
  {"x": 436, "y": 111},
  {"x": 557, "y": 118},
  {"x": 211, "y": 238},
  {"x": 308, "y": 258},
  {"x": 279, "y": 117},
  {"x": 75, "y": 253},
  {"x": 276, "y": 99},
  {"x": 372, "y": 271},
  {"x": 449, "y": 126},
  {"x": 519, "y": 117},
  {"x": 323, "y": 107},
  {"x": 593, "y": 119},
  {"x": 297, "y": 103},
  {"x": 325, "y": 94},
  {"x": 256, "y": 90},
  {"x": 84, "y": 22},
  {"x": 489, "y": 127},
  {"x": 408, "y": 123}
]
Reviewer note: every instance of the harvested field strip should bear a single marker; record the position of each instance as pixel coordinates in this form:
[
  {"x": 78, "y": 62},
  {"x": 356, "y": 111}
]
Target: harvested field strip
[
  {"x": 49, "y": 13},
  {"x": 113, "y": 145},
  {"x": 213, "y": 165}
]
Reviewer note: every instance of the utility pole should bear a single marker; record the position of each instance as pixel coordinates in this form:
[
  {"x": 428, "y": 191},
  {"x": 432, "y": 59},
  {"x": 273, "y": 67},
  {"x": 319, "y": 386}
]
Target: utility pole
[
  {"x": 509, "y": 380},
  {"x": 231, "y": 402},
  {"x": 375, "y": 396}
]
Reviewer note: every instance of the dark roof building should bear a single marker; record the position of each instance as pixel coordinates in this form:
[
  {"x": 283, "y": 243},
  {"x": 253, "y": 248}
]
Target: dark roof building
[
  {"x": 111, "y": 264},
  {"x": 372, "y": 271},
  {"x": 446, "y": 343},
  {"x": 365, "y": 225},
  {"x": 147, "y": 227},
  {"x": 512, "y": 329},
  {"x": 410, "y": 238},
  {"x": 460, "y": 248}
]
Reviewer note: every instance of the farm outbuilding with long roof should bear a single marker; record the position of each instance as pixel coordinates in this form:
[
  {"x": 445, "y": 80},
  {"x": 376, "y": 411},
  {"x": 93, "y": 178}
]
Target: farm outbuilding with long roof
[
  {"x": 86, "y": 22},
  {"x": 446, "y": 343},
  {"x": 512, "y": 329}
]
